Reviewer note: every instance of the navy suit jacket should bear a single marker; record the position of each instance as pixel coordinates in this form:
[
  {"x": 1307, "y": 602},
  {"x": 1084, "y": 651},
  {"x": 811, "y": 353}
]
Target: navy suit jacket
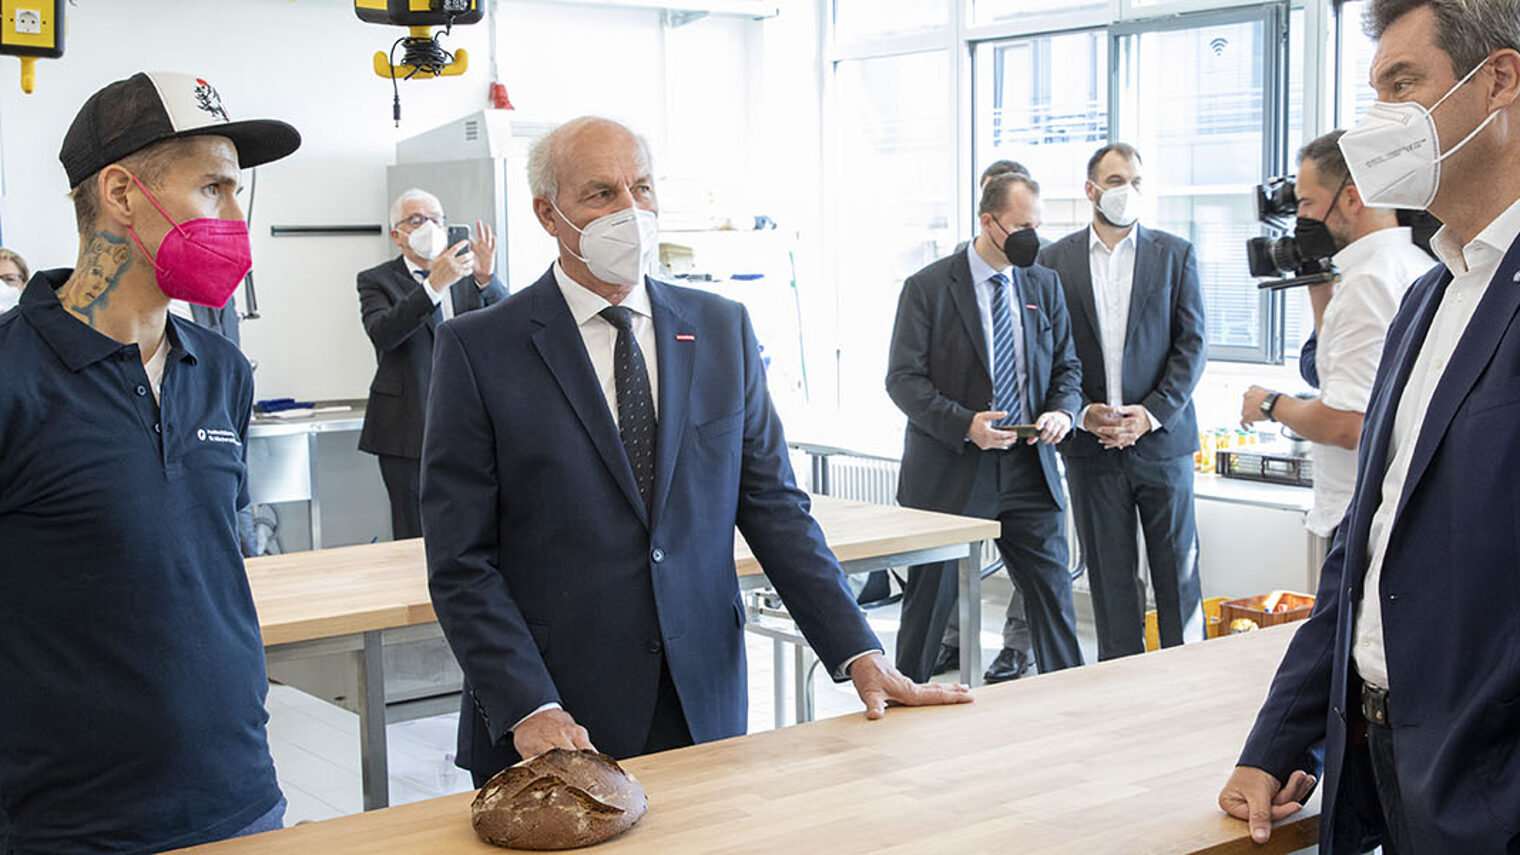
[
  {"x": 399, "y": 319},
  {"x": 552, "y": 582},
  {"x": 1449, "y": 594},
  {"x": 1164, "y": 346},
  {"x": 938, "y": 375}
]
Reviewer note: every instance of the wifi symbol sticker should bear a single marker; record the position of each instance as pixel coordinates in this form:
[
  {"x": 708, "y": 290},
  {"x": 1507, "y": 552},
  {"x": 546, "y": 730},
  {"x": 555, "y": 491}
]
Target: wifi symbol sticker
[{"x": 1219, "y": 45}]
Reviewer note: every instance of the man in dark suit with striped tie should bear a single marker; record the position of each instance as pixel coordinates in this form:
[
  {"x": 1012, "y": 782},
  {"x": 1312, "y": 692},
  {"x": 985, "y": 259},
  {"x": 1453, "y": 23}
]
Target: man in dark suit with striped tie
[
  {"x": 982, "y": 339},
  {"x": 402, "y": 301}
]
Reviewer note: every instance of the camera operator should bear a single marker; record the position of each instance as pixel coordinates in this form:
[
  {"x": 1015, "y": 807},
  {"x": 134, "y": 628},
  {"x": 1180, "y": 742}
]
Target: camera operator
[{"x": 1377, "y": 260}]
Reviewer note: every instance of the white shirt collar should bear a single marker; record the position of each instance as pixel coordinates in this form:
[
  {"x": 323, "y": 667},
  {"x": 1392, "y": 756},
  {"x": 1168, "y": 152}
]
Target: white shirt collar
[
  {"x": 1497, "y": 236},
  {"x": 1093, "y": 241},
  {"x": 981, "y": 271},
  {"x": 1365, "y": 249},
  {"x": 586, "y": 304}
]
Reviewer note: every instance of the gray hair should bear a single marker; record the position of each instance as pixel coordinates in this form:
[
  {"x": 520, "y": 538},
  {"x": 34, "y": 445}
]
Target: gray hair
[
  {"x": 1325, "y": 153},
  {"x": 542, "y": 177},
  {"x": 411, "y": 195},
  {"x": 1467, "y": 30}
]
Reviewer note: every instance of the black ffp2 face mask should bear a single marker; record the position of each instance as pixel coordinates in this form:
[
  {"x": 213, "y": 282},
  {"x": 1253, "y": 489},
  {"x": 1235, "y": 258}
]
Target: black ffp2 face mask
[
  {"x": 1021, "y": 247},
  {"x": 1314, "y": 239}
]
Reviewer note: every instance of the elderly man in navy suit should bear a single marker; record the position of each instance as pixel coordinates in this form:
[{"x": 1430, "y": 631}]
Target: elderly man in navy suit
[
  {"x": 591, "y": 444},
  {"x": 402, "y": 302},
  {"x": 1404, "y": 685},
  {"x": 1137, "y": 321}
]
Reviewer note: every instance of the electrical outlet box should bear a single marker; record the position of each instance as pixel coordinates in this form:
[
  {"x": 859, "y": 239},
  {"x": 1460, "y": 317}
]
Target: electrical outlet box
[{"x": 32, "y": 28}]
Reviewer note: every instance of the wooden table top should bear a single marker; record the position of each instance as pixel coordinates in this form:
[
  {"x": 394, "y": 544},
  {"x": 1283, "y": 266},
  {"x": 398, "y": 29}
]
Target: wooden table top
[
  {"x": 332, "y": 592},
  {"x": 1125, "y": 756}
]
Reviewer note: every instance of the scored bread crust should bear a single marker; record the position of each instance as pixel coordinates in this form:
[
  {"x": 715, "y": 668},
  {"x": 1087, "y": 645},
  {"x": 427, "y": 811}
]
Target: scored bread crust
[{"x": 558, "y": 800}]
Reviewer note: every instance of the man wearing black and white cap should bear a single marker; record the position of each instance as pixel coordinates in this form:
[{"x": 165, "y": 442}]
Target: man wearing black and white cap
[{"x": 132, "y": 718}]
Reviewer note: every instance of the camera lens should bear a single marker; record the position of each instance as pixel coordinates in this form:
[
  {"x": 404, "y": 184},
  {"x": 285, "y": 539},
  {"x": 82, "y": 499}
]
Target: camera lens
[{"x": 1274, "y": 256}]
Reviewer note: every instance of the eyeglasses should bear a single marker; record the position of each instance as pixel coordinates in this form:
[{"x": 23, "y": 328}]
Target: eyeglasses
[
  {"x": 12, "y": 279},
  {"x": 416, "y": 220}
]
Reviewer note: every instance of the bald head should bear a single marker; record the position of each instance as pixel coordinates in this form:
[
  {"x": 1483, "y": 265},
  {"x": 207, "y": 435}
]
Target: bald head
[{"x": 587, "y": 136}]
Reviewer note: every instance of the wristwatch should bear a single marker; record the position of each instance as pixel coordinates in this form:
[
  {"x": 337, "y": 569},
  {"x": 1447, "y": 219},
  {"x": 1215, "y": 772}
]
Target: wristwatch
[{"x": 1268, "y": 403}]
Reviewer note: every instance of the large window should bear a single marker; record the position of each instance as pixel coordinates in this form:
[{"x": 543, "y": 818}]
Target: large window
[
  {"x": 895, "y": 173},
  {"x": 1043, "y": 102},
  {"x": 1353, "y": 65},
  {"x": 859, "y": 20},
  {"x": 1197, "y": 99}
]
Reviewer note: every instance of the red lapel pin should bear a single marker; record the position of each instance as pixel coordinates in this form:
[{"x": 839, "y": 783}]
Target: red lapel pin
[
  {"x": 685, "y": 337},
  {"x": 1031, "y": 307}
]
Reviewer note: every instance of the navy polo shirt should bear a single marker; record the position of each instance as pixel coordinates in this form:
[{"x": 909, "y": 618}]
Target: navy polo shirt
[{"x": 132, "y": 679}]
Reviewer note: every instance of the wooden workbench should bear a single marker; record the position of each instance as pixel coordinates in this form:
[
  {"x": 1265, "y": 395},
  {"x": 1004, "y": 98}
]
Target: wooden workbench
[
  {"x": 1120, "y": 757},
  {"x": 342, "y": 602}
]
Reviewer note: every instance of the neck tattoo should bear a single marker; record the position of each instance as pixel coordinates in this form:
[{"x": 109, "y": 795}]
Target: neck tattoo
[{"x": 102, "y": 266}]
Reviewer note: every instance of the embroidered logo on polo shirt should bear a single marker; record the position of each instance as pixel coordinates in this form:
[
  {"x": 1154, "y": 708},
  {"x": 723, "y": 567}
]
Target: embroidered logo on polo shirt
[{"x": 217, "y": 435}]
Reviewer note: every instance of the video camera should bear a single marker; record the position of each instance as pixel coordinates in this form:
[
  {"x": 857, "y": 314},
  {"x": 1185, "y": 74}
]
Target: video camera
[{"x": 1272, "y": 258}]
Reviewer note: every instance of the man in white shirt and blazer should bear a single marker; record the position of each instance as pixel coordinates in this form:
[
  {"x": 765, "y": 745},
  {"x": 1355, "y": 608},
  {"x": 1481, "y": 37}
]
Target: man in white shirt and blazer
[{"x": 1137, "y": 321}]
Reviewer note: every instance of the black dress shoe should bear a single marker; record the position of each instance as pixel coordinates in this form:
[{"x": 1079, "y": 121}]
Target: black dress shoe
[
  {"x": 1009, "y": 665},
  {"x": 949, "y": 659}
]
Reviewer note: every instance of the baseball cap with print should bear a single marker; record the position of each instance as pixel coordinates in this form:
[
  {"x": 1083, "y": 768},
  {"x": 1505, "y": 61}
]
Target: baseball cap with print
[{"x": 148, "y": 107}]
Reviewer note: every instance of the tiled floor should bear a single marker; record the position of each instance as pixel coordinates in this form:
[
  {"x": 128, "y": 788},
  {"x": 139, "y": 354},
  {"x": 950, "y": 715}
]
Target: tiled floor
[{"x": 316, "y": 744}]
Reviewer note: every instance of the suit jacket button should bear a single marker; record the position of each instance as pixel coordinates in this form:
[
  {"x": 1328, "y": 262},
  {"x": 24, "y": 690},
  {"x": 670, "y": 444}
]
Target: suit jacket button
[
  {"x": 654, "y": 646},
  {"x": 657, "y": 555}
]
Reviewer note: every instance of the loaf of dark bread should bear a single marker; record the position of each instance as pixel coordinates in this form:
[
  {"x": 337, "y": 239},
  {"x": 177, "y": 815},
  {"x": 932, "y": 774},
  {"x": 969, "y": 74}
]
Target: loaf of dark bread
[{"x": 558, "y": 800}]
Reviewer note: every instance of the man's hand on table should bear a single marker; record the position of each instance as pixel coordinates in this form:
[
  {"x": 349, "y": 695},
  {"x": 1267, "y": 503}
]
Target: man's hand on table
[
  {"x": 1255, "y": 796},
  {"x": 880, "y": 685},
  {"x": 548, "y": 729}
]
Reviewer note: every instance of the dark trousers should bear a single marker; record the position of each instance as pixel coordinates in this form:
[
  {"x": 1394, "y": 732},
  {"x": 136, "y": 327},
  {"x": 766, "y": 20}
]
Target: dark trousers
[
  {"x": 403, "y": 481},
  {"x": 1108, "y": 492},
  {"x": 1395, "y": 830},
  {"x": 667, "y": 729},
  {"x": 1009, "y": 487}
]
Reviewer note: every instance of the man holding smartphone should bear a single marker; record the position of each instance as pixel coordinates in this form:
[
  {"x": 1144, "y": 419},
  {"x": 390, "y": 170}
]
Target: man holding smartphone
[
  {"x": 440, "y": 273},
  {"x": 983, "y": 365}
]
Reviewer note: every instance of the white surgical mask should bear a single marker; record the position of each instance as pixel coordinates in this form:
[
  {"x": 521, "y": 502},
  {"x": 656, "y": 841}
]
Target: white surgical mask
[
  {"x": 1394, "y": 152},
  {"x": 428, "y": 240},
  {"x": 9, "y": 297},
  {"x": 1120, "y": 205},
  {"x": 618, "y": 247}
]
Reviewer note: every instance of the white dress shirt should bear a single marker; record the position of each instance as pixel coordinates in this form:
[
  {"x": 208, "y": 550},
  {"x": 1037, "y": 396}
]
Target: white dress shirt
[
  {"x": 981, "y": 275},
  {"x": 1472, "y": 267},
  {"x": 447, "y": 306},
  {"x": 1376, "y": 270},
  {"x": 600, "y": 336},
  {"x": 1113, "y": 280}
]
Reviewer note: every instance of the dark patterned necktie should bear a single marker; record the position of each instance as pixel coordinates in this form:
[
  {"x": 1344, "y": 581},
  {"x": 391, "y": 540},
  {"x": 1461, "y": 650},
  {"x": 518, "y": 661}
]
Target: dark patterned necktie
[
  {"x": 1006, "y": 394},
  {"x": 635, "y": 404}
]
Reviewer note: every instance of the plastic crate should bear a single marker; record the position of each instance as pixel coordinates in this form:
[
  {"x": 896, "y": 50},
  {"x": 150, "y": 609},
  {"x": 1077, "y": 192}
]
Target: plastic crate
[
  {"x": 1266, "y": 610},
  {"x": 1269, "y": 468}
]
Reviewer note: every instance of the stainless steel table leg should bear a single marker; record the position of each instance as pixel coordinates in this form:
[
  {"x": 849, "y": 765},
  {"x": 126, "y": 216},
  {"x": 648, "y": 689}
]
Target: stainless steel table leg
[
  {"x": 778, "y": 682},
  {"x": 803, "y": 661},
  {"x": 314, "y": 505},
  {"x": 372, "y": 749},
  {"x": 971, "y": 616}
]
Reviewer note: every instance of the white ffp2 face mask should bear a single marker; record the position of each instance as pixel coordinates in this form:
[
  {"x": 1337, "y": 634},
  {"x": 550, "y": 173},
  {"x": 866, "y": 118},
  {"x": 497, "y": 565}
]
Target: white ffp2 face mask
[
  {"x": 1394, "y": 152},
  {"x": 9, "y": 297},
  {"x": 428, "y": 240},
  {"x": 618, "y": 247},
  {"x": 1120, "y": 205}
]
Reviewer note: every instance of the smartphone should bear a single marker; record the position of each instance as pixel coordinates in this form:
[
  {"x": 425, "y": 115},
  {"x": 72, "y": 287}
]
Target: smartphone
[
  {"x": 1020, "y": 431},
  {"x": 457, "y": 234}
]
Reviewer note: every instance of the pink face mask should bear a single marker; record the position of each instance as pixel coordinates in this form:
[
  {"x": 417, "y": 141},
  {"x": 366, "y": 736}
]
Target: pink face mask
[{"x": 199, "y": 261}]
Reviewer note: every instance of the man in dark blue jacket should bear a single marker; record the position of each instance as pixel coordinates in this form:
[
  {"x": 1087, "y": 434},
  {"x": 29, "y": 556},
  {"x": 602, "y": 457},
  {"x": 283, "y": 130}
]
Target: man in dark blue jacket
[
  {"x": 982, "y": 338},
  {"x": 592, "y": 442},
  {"x": 1405, "y": 681}
]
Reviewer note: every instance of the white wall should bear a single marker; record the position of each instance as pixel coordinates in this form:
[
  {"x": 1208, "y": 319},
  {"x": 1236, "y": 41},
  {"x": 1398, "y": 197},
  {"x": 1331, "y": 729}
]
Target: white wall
[{"x": 689, "y": 89}]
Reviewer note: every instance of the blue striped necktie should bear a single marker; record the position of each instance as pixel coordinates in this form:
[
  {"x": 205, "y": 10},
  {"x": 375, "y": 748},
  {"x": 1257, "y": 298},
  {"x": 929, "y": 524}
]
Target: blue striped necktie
[{"x": 1006, "y": 394}]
